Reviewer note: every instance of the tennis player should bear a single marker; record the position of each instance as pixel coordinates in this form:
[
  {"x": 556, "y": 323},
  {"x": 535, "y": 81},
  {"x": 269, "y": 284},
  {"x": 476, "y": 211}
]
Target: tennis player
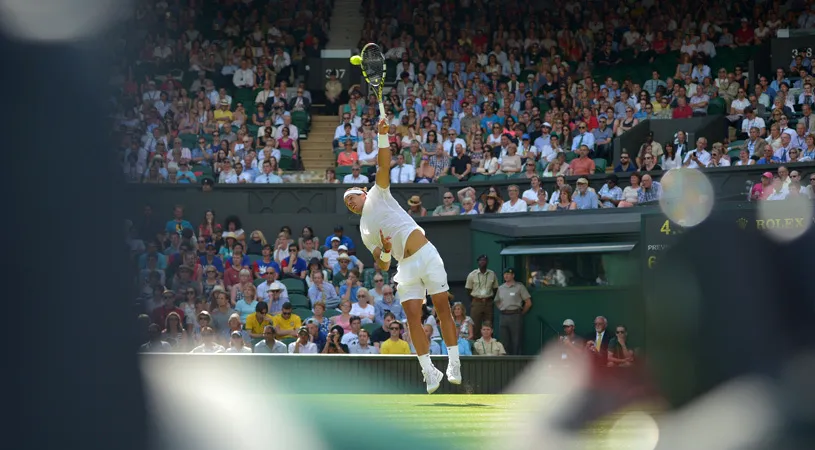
[{"x": 389, "y": 232}]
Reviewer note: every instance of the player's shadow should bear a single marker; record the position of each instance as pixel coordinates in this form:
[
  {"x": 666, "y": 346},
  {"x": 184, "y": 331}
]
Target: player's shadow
[{"x": 459, "y": 405}]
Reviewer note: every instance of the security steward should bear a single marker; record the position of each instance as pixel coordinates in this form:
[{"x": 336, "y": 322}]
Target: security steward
[
  {"x": 481, "y": 285},
  {"x": 514, "y": 301}
]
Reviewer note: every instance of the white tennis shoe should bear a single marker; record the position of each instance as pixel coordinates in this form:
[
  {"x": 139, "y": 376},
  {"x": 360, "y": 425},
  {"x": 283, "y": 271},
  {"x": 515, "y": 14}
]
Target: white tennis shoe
[
  {"x": 454, "y": 372},
  {"x": 433, "y": 379}
]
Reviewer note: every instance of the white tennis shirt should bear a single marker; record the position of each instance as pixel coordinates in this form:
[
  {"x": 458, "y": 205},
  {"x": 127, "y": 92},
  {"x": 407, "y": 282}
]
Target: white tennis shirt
[{"x": 383, "y": 212}]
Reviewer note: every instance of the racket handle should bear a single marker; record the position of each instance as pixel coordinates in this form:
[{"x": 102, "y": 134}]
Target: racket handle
[{"x": 381, "y": 110}]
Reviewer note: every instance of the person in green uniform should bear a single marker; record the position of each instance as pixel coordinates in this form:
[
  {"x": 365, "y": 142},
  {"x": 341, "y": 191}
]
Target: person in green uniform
[{"x": 514, "y": 301}]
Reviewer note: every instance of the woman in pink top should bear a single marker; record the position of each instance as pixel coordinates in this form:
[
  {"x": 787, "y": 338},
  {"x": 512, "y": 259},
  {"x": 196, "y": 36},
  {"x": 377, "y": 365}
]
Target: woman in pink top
[
  {"x": 761, "y": 190},
  {"x": 344, "y": 319}
]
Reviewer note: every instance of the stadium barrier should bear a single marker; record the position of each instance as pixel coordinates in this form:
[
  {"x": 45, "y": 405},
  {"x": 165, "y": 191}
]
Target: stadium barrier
[{"x": 352, "y": 374}]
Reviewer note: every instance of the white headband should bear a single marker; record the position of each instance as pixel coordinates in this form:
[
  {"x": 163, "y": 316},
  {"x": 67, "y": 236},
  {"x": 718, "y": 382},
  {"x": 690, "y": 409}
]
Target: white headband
[{"x": 352, "y": 192}]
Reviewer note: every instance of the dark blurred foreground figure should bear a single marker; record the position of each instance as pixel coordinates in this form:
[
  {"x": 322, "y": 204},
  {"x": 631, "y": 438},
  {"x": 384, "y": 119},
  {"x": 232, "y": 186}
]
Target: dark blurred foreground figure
[{"x": 731, "y": 349}]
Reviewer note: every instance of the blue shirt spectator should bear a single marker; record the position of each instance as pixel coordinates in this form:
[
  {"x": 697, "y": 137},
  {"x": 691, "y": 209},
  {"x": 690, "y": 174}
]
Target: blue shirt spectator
[
  {"x": 177, "y": 225},
  {"x": 586, "y": 199},
  {"x": 394, "y": 307},
  {"x": 354, "y": 290},
  {"x": 325, "y": 293},
  {"x": 344, "y": 240},
  {"x": 463, "y": 348}
]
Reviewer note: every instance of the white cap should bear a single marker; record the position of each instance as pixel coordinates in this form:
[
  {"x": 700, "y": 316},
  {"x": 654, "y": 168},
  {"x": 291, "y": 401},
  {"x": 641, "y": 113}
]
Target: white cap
[
  {"x": 342, "y": 247},
  {"x": 568, "y": 323}
]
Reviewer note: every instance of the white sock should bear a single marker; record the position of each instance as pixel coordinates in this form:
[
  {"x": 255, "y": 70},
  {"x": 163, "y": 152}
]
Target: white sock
[
  {"x": 426, "y": 363},
  {"x": 452, "y": 353}
]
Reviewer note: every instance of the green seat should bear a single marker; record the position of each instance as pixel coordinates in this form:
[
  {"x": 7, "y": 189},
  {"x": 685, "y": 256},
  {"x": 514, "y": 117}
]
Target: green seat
[
  {"x": 294, "y": 286},
  {"x": 299, "y": 301},
  {"x": 570, "y": 156},
  {"x": 254, "y": 258},
  {"x": 189, "y": 140},
  {"x": 499, "y": 177},
  {"x": 304, "y": 313},
  {"x": 300, "y": 120},
  {"x": 517, "y": 175},
  {"x": 258, "y": 281},
  {"x": 370, "y": 327},
  {"x": 331, "y": 313},
  {"x": 479, "y": 177},
  {"x": 342, "y": 171},
  {"x": 735, "y": 144},
  {"x": 287, "y": 341},
  {"x": 600, "y": 165},
  {"x": 448, "y": 179},
  {"x": 734, "y": 155},
  {"x": 286, "y": 161}
]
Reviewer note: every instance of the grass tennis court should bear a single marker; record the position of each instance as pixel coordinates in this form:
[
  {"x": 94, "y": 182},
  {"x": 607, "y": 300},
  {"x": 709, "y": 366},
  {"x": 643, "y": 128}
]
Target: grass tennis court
[{"x": 469, "y": 421}]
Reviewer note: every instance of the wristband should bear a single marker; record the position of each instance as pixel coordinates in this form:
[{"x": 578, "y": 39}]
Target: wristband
[
  {"x": 384, "y": 256},
  {"x": 383, "y": 141}
]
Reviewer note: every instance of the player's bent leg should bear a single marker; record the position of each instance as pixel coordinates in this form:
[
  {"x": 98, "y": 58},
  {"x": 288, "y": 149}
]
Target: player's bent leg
[
  {"x": 413, "y": 311},
  {"x": 441, "y": 303}
]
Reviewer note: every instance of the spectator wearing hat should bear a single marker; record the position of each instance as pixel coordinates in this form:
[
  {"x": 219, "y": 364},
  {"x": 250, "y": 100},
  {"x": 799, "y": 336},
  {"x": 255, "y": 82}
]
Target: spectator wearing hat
[
  {"x": 571, "y": 343},
  {"x": 610, "y": 194},
  {"x": 486, "y": 345},
  {"x": 415, "y": 208},
  {"x": 303, "y": 344},
  {"x": 269, "y": 344},
  {"x": 344, "y": 240},
  {"x": 270, "y": 276},
  {"x": 223, "y": 115},
  {"x": 513, "y": 301},
  {"x": 481, "y": 285},
  {"x": 526, "y": 149},
  {"x": 585, "y": 198},
  {"x": 286, "y": 324},
  {"x": 353, "y": 261},
  {"x": 237, "y": 344}
]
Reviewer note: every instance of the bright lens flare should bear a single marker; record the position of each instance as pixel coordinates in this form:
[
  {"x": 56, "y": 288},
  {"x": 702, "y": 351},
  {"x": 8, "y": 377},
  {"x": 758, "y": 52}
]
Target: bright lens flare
[
  {"x": 687, "y": 196},
  {"x": 786, "y": 220}
]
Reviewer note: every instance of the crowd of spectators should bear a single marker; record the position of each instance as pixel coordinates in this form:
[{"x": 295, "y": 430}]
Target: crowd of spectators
[
  {"x": 213, "y": 90},
  {"x": 215, "y": 287},
  {"x": 533, "y": 93}
]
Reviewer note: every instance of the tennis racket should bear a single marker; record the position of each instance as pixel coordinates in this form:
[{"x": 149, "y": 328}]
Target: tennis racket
[{"x": 372, "y": 62}]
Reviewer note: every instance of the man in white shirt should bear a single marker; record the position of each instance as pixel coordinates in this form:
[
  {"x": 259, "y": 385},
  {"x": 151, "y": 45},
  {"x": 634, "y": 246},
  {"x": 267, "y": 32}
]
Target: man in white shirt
[
  {"x": 340, "y": 130},
  {"x": 698, "y": 157},
  {"x": 401, "y": 172},
  {"x": 244, "y": 77},
  {"x": 228, "y": 175},
  {"x": 751, "y": 120},
  {"x": 302, "y": 344},
  {"x": 526, "y": 149},
  {"x": 293, "y": 132},
  {"x": 530, "y": 195},
  {"x": 514, "y": 204},
  {"x": 267, "y": 177},
  {"x": 352, "y": 337},
  {"x": 450, "y": 142},
  {"x": 264, "y": 95},
  {"x": 583, "y": 137},
  {"x": 354, "y": 177}
]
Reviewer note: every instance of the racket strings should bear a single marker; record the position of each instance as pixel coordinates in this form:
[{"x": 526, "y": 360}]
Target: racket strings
[{"x": 373, "y": 64}]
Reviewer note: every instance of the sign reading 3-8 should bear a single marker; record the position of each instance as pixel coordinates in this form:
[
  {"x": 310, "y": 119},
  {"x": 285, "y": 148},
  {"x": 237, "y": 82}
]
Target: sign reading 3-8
[{"x": 785, "y": 50}]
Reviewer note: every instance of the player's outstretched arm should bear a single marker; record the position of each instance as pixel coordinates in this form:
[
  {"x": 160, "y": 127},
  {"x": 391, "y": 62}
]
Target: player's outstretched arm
[
  {"x": 382, "y": 254},
  {"x": 383, "y": 158}
]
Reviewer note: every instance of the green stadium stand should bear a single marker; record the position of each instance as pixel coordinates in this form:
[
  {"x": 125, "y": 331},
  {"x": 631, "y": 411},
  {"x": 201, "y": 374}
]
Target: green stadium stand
[
  {"x": 304, "y": 313},
  {"x": 371, "y": 327},
  {"x": 294, "y": 286},
  {"x": 299, "y": 301},
  {"x": 258, "y": 282},
  {"x": 499, "y": 177},
  {"x": 570, "y": 156},
  {"x": 331, "y": 313},
  {"x": 448, "y": 179},
  {"x": 479, "y": 177},
  {"x": 342, "y": 171},
  {"x": 600, "y": 165}
]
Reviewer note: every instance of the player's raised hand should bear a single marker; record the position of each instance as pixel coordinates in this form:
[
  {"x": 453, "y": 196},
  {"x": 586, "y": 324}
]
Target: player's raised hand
[
  {"x": 386, "y": 242},
  {"x": 383, "y": 126}
]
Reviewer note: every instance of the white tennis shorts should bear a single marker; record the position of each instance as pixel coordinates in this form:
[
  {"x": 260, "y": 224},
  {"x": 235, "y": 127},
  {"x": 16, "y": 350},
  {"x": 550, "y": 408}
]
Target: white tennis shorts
[{"x": 420, "y": 274}]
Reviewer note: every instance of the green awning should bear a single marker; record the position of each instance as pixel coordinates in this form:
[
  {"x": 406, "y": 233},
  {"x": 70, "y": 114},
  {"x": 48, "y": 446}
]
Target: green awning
[{"x": 568, "y": 248}]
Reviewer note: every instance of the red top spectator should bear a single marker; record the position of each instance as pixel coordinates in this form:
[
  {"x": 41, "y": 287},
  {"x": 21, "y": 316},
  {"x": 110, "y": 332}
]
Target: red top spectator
[{"x": 160, "y": 313}]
